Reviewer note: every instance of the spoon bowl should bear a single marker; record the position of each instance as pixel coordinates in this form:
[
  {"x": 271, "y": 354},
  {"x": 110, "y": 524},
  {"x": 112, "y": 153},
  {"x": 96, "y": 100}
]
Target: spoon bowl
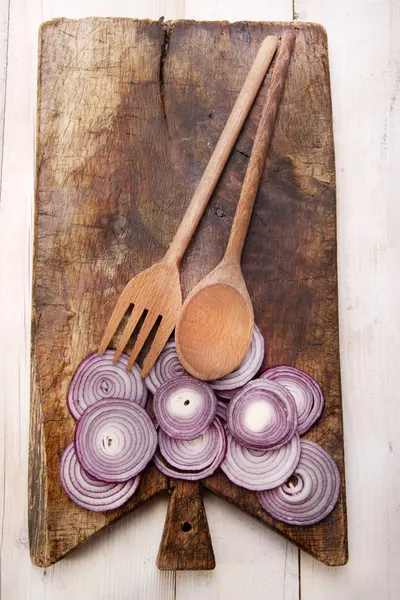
[{"x": 213, "y": 318}]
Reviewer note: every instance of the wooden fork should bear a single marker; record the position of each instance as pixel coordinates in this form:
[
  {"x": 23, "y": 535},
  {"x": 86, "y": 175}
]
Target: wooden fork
[{"x": 157, "y": 290}]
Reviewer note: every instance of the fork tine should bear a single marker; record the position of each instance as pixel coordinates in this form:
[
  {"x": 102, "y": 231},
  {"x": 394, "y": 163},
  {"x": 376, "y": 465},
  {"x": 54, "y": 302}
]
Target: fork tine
[
  {"x": 161, "y": 338},
  {"x": 126, "y": 334},
  {"x": 120, "y": 309},
  {"x": 142, "y": 337}
]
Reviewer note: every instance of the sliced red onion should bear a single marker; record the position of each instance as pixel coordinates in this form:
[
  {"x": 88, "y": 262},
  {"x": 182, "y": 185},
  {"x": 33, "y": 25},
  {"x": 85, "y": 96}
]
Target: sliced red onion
[
  {"x": 89, "y": 493},
  {"x": 192, "y": 459},
  {"x": 114, "y": 440},
  {"x": 227, "y": 394},
  {"x": 195, "y": 454},
  {"x": 167, "y": 367},
  {"x": 305, "y": 390},
  {"x": 184, "y": 407},
  {"x": 97, "y": 377},
  {"x": 260, "y": 469},
  {"x": 262, "y": 415},
  {"x": 310, "y": 494},
  {"x": 247, "y": 368},
  {"x": 222, "y": 410}
]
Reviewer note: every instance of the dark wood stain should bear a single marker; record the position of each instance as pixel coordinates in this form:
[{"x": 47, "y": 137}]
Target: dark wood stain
[{"x": 128, "y": 114}]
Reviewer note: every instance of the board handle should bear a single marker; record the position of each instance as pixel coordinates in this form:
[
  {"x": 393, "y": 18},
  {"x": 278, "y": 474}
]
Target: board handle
[{"x": 186, "y": 541}]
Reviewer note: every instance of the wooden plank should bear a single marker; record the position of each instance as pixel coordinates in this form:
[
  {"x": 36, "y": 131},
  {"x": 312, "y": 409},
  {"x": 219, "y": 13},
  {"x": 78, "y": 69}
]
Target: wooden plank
[
  {"x": 4, "y": 20},
  {"x": 90, "y": 211},
  {"x": 84, "y": 61},
  {"x": 364, "y": 49},
  {"x": 15, "y": 274}
]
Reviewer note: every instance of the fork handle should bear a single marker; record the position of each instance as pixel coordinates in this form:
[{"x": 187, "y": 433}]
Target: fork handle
[{"x": 222, "y": 150}]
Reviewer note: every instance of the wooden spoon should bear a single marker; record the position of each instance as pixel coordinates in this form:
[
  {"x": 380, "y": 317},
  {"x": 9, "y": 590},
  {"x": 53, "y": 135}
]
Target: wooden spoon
[{"x": 216, "y": 322}]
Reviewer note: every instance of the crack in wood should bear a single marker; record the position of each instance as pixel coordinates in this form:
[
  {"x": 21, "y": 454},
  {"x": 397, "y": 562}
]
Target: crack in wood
[
  {"x": 242, "y": 153},
  {"x": 163, "y": 56}
]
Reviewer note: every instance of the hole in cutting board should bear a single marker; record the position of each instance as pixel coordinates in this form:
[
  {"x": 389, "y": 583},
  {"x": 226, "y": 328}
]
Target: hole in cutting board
[{"x": 186, "y": 526}]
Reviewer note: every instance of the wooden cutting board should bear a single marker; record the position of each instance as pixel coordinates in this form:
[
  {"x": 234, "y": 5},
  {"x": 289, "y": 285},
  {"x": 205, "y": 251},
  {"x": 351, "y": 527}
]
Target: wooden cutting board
[{"x": 128, "y": 114}]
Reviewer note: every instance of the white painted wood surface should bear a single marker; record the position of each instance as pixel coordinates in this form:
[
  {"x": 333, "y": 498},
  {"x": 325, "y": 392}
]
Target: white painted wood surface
[
  {"x": 364, "y": 46},
  {"x": 4, "y": 12},
  {"x": 251, "y": 561}
]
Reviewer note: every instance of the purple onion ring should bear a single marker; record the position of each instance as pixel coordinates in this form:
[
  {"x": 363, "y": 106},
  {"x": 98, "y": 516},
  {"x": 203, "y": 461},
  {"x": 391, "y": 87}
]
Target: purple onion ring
[
  {"x": 114, "y": 440},
  {"x": 260, "y": 469},
  {"x": 222, "y": 410},
  {"x": 184, "y": 407},
  {"x": 167, "y": 367},
  {"x": 89, "y": 493},
  {"x": 97, "y": 378},
  {"x": 305, "y": 390},
  {"x": 262, "y": 415},
  {"x": 196, "y": 454},
  {"x": 310, "y": 494},
  {"x": 192, "y": 459},
  {"x": 227, "y": 394}
]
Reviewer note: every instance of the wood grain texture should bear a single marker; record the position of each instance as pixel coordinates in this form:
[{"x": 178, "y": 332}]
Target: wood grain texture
[
  {"x": 364, "y": 46},
  {"x": 294, "y": 289},
  {"x": 254, "y": 10},
  {"x": 4, "y": 24},
  {"x": 186, "y": 542},
  {"x": 104, "y": 212},
  {"x": 84, "y": 187},
  {"x": 259, "y": 150},
  {"x": 251, "y": 562}
]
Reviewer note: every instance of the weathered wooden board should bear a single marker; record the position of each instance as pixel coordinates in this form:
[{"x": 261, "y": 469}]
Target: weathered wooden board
[{"x": 128, "y": 114}]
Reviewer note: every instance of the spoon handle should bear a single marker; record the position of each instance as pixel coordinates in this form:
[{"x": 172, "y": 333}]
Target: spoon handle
[
  {"x": 260, "y": 149},
  {"x": 223, "y": 149}
]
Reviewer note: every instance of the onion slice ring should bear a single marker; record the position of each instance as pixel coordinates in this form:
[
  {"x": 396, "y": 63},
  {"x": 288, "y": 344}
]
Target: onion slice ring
[
  {"x": 89, "y": 493},
  {"x": 184, "y": 407},
  {"x": 262, "y": 415},
  {"x": 192, "y": 460},
  {"x": 114, "y": 440},
  {"x": 258, "y": 470},
  {"x": 222, "y": 410},
  {"x": 97, "y": 378},
  {"x": 227, "y": 394},
  {"x": 167, "y": 367},
  {"x": 305, "y": 390},
  {"x": 311, "y": 493},
  {"x": 197, "y": 454}
]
